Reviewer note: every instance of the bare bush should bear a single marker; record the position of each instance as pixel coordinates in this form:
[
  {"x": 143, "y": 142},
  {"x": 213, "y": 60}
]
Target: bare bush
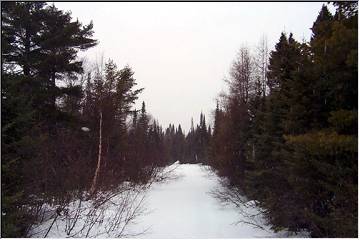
[
  {"x": 165, "y": 174},
  {"x": 250, "y": 211},
  {"x": 106, "y": 214}
]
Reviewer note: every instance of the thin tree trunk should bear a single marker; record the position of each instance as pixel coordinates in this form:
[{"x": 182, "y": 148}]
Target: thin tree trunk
[
  {"x": 27, "y": 53},
  {"x": 97, "y": 171},
  {"x": 107, "y": 153}
]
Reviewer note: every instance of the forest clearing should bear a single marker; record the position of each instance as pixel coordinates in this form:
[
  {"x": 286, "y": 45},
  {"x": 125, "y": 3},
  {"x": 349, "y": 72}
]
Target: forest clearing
[{"x": 201, "y": 120}]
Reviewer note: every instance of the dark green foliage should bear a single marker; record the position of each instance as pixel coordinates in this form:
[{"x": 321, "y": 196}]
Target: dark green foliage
[
  {"x": 35, "y": 53},
  {"x": 196, "y": 144},
  {"x": 324, "y": 168},
  {"x": 190, "y": 148},
  {"x": 50, "y": 131},
  {"x": 16, "y": 145},
  {"x": 285, "y": 134},
  {"x": 175, "y": 144},
  {"x": 300, "y": 139}
]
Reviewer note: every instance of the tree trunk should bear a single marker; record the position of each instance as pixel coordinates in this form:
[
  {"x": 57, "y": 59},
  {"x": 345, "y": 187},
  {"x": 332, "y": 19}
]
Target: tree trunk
[
  {"x": 97, "y": 171},
  {"x": 27, "y": 53}
]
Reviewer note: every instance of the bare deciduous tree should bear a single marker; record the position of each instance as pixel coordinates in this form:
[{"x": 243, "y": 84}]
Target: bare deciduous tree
[
  {"x": 97, "y": 171},
  {"x": 241, "y": 75},
  {"x": 261, "y": 62}
]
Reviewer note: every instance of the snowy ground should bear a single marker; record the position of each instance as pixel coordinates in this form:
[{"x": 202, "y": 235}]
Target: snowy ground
[
  {"x": 185, "y": 208},
  {"x": 181, "y": 207}
]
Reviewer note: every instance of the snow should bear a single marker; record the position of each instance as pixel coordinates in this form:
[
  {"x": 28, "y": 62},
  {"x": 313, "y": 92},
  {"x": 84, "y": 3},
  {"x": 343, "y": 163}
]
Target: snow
[
  {"x": 184, "y": 206},
  {"x": 106, "y": 215},
  {"x": 85, "y": 129}
]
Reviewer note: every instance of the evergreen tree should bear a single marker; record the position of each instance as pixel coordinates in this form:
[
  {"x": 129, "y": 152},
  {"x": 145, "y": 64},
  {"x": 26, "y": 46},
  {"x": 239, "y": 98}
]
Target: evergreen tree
[
  {"x": 332, "y": 172},
  {"x": 26, "y": 52}
]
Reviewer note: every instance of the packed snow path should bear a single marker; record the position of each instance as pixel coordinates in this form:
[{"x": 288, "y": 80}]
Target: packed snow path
[{"x": 184, "y": 208}]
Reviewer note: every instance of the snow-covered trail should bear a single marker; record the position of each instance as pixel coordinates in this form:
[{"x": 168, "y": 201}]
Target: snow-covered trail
[
  {"x": 181, "y": 207},
  {"x": 184, "y": 208}
]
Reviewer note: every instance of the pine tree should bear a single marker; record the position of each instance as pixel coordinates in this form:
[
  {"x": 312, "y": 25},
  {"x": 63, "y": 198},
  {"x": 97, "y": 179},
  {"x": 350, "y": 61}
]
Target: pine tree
[{"x": 26, "y": 47}]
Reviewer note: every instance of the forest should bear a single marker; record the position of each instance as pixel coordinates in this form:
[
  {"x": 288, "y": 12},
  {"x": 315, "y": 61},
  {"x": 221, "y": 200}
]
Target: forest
[{"x": 284, "y": 133}]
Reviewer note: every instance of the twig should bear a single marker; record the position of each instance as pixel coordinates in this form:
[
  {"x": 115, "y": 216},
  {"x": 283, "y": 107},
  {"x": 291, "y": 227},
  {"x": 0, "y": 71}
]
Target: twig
[{"x": 56, "y": 216}]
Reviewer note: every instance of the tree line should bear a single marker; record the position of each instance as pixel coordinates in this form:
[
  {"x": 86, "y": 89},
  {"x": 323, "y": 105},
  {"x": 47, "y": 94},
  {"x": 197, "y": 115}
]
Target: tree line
[
  {"x": 192, "y": 147},
  {"x": 285, "y": 133}
]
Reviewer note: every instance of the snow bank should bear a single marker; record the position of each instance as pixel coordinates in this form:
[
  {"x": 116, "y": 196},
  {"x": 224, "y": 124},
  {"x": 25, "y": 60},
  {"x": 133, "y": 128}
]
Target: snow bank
[{"x": 107, "y": 215}]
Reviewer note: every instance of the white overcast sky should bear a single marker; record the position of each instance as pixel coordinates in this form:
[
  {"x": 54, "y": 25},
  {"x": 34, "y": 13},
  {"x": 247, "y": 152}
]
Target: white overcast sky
[{"x": 181, "y": 52}]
